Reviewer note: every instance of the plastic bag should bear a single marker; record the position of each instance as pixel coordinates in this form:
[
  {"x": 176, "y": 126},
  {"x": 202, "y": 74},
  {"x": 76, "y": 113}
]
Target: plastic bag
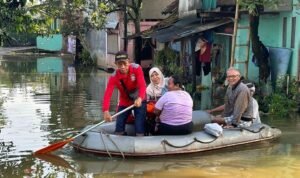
[
  {"x": 150, "y": 106},
  {"x": 213, "y": 129}
]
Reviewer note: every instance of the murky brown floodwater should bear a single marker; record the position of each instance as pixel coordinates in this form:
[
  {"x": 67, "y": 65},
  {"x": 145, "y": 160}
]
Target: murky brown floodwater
[{"x": 42, "y": 101}]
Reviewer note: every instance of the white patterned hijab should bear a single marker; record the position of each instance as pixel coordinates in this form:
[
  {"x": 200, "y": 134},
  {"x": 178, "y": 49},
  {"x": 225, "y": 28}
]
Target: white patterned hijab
[{"x": 155, "y": 90}]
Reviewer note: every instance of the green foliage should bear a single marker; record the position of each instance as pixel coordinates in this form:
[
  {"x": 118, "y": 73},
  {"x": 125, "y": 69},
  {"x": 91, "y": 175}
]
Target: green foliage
[
  {"x": 283, "y": 100},
  {"x": 189, "y": 88},
  {"x": 78, "y": 16},
  {"x": 86, "y": 59},
  {"x": 19, "y": 16},
  {"x": 72, "y": 14},
  {"x": 168, "y": 60},
  {"x": 252, "y": 5}
]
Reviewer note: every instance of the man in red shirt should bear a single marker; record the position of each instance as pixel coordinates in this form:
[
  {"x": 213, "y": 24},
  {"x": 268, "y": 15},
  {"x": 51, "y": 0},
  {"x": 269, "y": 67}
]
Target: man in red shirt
[{"x": 129, "y": 80}]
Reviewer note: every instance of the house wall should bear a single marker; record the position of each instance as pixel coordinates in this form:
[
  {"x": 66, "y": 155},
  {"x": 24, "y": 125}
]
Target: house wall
[
  {"x": 294, "y": 61},
  {"x": 151, "y": 9},
  {"x": 224, "y": 42},
  {"x": 97, "y": 40},
  {"x": 271, "y": 33},
  {"x": 270, "y": 38}
]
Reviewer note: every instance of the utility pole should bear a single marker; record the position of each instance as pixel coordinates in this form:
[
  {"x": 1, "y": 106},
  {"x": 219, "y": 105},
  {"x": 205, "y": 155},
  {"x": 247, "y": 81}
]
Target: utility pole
[{"x": 125, "y": 26}]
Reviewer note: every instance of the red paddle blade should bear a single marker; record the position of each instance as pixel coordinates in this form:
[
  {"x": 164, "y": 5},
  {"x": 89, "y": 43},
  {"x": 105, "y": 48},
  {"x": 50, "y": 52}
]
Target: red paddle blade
[
  {"x": 53, "y": 147},
  {"x": 55, "y": 160}
]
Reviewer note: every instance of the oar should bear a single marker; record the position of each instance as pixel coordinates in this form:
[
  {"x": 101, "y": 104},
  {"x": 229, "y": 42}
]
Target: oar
[{"x": 58, "y": 145}]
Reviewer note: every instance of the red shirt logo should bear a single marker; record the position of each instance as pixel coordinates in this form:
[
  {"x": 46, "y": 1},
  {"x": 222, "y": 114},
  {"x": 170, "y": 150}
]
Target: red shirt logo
[{"x": 132, "y": 77}]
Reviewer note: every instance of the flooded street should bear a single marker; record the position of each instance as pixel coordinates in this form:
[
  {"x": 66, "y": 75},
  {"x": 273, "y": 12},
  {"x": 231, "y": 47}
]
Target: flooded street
[{"x": 45, "y": 99}]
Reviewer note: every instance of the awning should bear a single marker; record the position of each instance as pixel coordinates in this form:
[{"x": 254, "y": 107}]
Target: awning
[{"x": 177, "y": 30}]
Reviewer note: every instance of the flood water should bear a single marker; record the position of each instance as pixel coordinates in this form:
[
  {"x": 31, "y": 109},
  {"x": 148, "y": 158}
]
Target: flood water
[{"x": 45, "y": 99}]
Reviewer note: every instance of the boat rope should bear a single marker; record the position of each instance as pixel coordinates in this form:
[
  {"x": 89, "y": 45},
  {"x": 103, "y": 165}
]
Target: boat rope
[
  {"x": 123, "y": 156},
  {"x": 107, "y": 151},
  {"x": 253, "y": 131},
  {"x": 247, "y": 129},
  {"x": 205, "y": 142},
  {"x": 166, "y": 142}
]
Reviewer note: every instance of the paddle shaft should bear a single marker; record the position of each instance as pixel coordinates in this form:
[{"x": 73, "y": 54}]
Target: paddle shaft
[
  {"x": 115, "y": 115},
  {"x": 60, "y": 144}
]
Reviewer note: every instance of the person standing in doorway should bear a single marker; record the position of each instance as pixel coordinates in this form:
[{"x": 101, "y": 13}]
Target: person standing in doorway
[{"x": 203, "y": 56}]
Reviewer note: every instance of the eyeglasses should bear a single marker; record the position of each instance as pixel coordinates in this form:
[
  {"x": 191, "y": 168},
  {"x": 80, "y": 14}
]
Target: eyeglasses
[{"x": 232, "y": 76}]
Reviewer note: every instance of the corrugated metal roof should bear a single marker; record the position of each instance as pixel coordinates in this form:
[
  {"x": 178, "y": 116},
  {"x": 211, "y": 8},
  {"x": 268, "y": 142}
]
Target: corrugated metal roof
[{"x": 176, "y": 32}]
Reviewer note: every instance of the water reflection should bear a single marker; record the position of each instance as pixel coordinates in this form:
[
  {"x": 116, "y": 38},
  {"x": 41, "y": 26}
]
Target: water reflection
[
  {"x": 42, "y": 104},
  {"x": 263, "y": 158},
  {"x": 43, "y": 100}
]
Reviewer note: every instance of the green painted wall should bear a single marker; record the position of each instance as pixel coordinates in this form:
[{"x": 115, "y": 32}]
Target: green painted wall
[
  {"x": 53, "y": 42},
  {"x": 50, "y": 43},
  {"x": 209, "y": 4},
  {"x": 225, "y": 42},
  {"x": 294, "y": 64},
  {"x": 271, "y": 34}
]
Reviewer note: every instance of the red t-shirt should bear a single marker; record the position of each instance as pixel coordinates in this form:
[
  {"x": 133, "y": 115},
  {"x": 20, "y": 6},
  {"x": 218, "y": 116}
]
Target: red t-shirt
[
  {"x": 133, "y": 80},
  {"x": 205, "y": 57}
]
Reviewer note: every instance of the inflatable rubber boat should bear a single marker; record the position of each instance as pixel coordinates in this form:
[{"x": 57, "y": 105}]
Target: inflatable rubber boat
[{"x": 101, "y": 139}]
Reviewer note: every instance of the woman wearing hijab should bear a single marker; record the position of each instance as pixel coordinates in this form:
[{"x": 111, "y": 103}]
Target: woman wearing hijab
[
  {"x": 157, "y": 87},
  {"x": 154, "y": 91}
]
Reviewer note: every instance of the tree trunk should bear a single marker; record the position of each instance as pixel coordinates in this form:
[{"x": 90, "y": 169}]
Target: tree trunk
[
  {"x": 259, "y": 50},
  {"x": 137, "y": 49},
  {"x": 138, "y": 40}
]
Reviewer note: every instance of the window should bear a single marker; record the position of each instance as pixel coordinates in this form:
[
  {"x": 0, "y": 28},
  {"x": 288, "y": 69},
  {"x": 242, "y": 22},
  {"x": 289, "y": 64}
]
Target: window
[
  {"x": 293, "y": 32},
  {"x": 284, "y": 32},
  {"x": 112, "y": 43}
]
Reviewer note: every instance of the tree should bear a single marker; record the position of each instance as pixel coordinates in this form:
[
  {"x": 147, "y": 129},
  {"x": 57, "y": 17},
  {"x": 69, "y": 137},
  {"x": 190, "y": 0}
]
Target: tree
[
  {"x": 78, "y": 16},
  {"x": 133, "y": 11},
  {"x": 16, "y": 16},
  {"x": 255, "y": 7}
]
